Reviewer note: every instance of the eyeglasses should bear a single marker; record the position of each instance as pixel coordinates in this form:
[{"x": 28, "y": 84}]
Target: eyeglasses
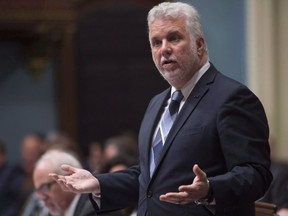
[{"x": 44, "y": 188}]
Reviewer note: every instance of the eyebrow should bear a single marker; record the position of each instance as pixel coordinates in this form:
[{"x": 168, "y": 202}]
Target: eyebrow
[
  {"x": 45, "y": 184},
  {"x": 170, "y": 32}
]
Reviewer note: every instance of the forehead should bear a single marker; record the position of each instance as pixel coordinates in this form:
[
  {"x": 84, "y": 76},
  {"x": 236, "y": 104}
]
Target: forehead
[
  {"x": 41, "y": 174},
  {"x": 166, "y": 25}
]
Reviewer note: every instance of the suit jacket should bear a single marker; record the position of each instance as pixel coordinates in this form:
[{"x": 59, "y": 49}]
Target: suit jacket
[
  {"x": 84, "y": 207},
  {"x": 278, "y": 190},
  {"x": 222, "y": 127},
  {"x": 35, "y": 207}
]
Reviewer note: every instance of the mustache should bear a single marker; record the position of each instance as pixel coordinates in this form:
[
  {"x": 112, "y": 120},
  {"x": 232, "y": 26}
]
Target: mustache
[{"x": 171, "y": 59}]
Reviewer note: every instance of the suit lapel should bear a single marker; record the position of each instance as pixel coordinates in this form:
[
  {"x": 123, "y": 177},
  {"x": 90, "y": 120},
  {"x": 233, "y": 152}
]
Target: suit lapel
[
  {"x": 197, "y": 94},
  {"x": 83, "y": 206},
  {"x": 152, "y": 119}
]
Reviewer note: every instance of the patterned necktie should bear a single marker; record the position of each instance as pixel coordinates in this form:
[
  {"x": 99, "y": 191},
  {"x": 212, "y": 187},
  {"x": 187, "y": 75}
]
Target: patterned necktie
[{"x": 166, "y": 123}]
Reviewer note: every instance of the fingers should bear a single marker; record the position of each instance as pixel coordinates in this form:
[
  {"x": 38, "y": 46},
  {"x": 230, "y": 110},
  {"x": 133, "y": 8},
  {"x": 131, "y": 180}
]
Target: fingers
[
  {"x": 176, "y": 198},
  {"x": 54, "y": 176},
  {"x": 189, "y": 193},
  {"x": 68, "y": 168},
  {"x": 58, "y": 178},
  {"x": 68, "y": 182},
  {"x": 200, "y": 178},
  {"x": 199, "y": 173}
]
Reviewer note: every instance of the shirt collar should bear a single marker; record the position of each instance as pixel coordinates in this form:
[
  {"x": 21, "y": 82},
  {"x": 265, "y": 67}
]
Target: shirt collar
[
  {"x": 186, "y": 90},
  {"x": 70, "y": 211}
]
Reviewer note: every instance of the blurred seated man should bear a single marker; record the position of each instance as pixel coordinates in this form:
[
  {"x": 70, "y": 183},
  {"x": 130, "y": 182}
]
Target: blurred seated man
[
  {"x": 10, "y": 183},
  {"x": 32, "y": 147},
  {"x": 57, "y": 201},
  {"x": 118, "y": 163},
  {"x": 93, "y": 161},
  {"x": 125, "y": 143},
  {"x": 278, "y": 190}
]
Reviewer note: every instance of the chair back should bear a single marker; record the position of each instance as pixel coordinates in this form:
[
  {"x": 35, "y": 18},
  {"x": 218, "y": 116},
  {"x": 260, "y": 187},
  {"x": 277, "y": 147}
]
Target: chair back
[{"x": 265, "y": 209}]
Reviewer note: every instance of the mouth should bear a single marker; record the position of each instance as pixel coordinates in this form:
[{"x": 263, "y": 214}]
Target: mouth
[
  {"x": 49, "y": 205},
  {"x": 165, "y": 62},
  {"x": 168, "y": 64}
]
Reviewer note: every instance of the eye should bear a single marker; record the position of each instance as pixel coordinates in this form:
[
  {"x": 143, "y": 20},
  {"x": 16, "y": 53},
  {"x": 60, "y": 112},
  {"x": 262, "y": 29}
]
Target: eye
[
  {"x": 174, "y": 38},
  {"x": 156, "y": 43}
]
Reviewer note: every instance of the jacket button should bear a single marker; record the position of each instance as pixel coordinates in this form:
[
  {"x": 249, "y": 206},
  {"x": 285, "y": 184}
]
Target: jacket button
[{"x": 149, "y": 194}]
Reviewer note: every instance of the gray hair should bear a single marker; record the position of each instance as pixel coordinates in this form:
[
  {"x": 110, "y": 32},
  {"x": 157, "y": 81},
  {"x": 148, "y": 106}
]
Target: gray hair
[
  {"x": 175, "y": 10},
  {"x": 56, "y": 158}
]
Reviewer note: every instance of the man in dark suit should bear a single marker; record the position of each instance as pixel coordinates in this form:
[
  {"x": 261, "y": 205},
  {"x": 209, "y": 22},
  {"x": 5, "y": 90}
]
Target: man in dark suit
[{"x": 215, "y": 159}]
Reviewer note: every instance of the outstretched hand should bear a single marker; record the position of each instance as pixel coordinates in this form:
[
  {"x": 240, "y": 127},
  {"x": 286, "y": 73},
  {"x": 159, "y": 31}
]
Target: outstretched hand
[
  {"x": 77, "y": 180},
  {"x": 189, "y": 193}
]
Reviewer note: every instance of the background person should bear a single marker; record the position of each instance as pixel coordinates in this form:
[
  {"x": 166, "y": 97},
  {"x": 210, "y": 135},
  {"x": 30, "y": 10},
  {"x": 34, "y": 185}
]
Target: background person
[
  {"x": 118, "y": 163},
  {"x": 32, "y": 147},
  {"x": 94, "y": 158},
  {"x": 278, "y": 190},
  {"x": 59, "y": 202},
  {"x": 10, "y": 184}
]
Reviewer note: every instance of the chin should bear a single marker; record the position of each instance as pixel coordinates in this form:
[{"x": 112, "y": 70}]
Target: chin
[{"x": 53, "y": 211}]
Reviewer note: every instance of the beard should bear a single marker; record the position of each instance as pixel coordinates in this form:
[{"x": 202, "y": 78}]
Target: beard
[{"x": 184, "y": 67}]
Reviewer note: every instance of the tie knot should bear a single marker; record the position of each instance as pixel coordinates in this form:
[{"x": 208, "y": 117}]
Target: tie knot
[{"x": 177, "y": 96}]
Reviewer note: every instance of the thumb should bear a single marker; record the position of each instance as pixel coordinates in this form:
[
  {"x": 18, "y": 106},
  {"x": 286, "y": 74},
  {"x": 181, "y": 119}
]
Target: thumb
[
  {"x": 68, "y": 168},
  {"x": 199, "y": 173}
]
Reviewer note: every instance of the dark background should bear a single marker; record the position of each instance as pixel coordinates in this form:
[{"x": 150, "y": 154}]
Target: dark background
[
  {"x": 116, "y": 74},
  {"x": 84, "y": 67}
]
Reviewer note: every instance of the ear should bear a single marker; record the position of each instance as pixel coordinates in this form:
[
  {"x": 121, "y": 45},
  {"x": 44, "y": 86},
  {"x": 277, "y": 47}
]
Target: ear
[{"x": 200, "y": 46}]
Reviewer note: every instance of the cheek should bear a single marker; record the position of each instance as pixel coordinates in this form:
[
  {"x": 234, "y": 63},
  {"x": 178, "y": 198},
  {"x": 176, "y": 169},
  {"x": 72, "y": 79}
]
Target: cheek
[
  {"x": 156, "y": 57},
  {"x": 184, "y": 51},
  {"x": 187, "y": 55},
  {"x": 57, "y": 196}
]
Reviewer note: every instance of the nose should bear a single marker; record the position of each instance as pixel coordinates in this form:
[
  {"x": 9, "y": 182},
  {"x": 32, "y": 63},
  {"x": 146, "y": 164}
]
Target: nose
[
  {"x": 166, "y": 49},
  {"x": 42, "y": 196}
]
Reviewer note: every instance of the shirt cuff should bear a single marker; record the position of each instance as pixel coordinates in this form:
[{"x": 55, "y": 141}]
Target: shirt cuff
[{"x": 97, "y": 198}]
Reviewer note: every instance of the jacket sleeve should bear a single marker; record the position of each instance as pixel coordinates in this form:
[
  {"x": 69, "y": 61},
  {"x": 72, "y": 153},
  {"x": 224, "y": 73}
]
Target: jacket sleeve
[
  {"x": 118, "y": 190},
  {"x": 243, "y": 133}
]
